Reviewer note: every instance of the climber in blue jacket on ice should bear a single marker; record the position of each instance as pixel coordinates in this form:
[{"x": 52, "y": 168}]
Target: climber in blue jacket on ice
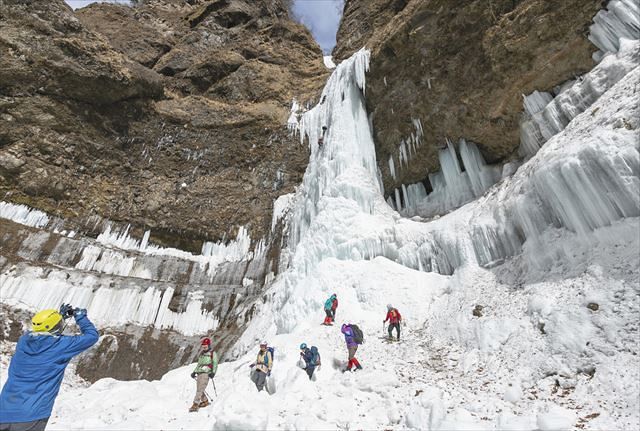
[{"x": 37, "y": 367}]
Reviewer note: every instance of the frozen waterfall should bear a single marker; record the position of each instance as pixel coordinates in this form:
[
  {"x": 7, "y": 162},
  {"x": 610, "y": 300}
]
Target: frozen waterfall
[{"x": 586, "y": 177}]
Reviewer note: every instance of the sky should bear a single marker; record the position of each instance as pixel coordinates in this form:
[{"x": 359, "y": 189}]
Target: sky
[{"x": 322, "y": 17}]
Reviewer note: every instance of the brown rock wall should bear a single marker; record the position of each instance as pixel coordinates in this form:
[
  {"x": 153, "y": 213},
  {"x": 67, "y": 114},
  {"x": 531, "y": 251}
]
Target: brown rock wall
[{"x": 168, "y": 115}]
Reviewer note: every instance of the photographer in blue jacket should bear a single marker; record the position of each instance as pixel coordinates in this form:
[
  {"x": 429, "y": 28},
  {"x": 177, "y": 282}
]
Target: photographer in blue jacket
[{"x": 37, "y": 367}]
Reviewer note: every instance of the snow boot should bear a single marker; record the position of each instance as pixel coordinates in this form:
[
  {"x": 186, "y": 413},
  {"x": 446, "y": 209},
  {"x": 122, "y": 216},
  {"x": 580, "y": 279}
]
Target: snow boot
[
  {"x": 194, "y": 407},
  {"x": 204, "y": 403},
  {"x": 349, "y": 365},
  {"x": 357, "y": 364}
]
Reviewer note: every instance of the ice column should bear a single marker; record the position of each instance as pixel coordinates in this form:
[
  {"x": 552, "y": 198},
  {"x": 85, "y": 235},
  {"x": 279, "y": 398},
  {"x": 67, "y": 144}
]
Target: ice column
[
  {"x": 481, "y": 176},
  {"x": 452, "y": 186},
  {"x": 348, "y": 152}
]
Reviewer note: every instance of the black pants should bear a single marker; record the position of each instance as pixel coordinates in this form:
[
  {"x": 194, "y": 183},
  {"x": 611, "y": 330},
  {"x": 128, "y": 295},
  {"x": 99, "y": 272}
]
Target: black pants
[
  {"x": 38, "y": 425},
  {"x": 394, "y": 325},
  {"x": 331, "y": 313},
  {"x": 310, "y": 369}
]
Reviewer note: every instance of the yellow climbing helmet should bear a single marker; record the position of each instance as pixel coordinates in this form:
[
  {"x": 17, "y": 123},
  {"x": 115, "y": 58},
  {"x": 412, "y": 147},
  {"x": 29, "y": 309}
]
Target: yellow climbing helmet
[{"x": 46, "y": 320}]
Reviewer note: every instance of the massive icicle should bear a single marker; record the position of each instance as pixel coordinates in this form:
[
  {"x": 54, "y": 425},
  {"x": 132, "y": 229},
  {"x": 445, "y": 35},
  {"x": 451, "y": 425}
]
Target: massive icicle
[
  {"x": 452, "y": 186},
  {"x": 348, "y": 151}
]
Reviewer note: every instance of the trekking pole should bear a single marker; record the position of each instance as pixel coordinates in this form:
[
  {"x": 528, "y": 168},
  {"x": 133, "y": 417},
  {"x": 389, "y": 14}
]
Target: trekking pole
[
  {"x": 215, "y": 391},
  {"x": 208, "y": 397}
]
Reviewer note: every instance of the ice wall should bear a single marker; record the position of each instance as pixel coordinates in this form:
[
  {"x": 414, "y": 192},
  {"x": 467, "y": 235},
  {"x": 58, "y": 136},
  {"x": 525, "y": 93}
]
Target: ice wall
[
  {"x": 620, "y": 20},
  {"x": 123, "y": 279},
  {"x": 35, "y": 290},
  {"x": 615, "y": 31},
  {"x": 584, "y": 178},
  {"x": 541, "y": 122}
]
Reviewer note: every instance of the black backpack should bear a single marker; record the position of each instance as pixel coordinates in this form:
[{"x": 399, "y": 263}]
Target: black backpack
[{"x": 358, "y": 336}]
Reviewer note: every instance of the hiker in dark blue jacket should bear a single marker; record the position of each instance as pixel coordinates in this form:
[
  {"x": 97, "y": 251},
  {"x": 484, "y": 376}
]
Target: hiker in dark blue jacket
[
  {"x": 37, "y": 368},
  {"x": 311, "y": 358}
]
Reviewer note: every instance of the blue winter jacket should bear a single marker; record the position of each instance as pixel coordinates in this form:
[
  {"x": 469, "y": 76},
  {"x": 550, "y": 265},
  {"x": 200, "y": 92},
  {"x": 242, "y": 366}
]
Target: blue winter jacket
[{"x": 37, "y": 369}]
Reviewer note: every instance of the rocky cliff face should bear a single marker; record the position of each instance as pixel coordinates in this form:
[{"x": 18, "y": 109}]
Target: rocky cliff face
[
  {"x": 168, "y": 115},
  {"x": 460, "y": 68}
]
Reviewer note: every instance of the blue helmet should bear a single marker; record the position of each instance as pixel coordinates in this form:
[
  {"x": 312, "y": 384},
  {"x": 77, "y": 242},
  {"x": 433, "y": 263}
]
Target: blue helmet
[{"x": 303, "y": 346}]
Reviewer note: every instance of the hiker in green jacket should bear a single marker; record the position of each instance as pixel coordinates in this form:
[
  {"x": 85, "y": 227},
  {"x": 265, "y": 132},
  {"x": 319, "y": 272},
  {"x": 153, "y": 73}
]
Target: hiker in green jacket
[{"x": 205, "y": 370}]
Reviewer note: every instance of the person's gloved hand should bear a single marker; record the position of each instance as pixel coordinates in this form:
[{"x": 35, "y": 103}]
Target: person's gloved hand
[
  {"x": 269, "y": 373},
  {"x": 66, "y": 310},
  {"x": 212, "y": 375},
  {"x": 79, "y": 313},
  {"x": 193, "y": 375}
]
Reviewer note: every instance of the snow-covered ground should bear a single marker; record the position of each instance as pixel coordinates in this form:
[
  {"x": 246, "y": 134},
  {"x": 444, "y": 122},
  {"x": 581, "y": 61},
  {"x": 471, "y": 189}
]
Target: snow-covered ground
[
  {"x": 450, "y": 371},
  {"x": 553, "y": 276}
]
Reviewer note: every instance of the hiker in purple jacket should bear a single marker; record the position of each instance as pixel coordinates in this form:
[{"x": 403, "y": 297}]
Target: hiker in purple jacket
[{"x": 352, "y": 347}]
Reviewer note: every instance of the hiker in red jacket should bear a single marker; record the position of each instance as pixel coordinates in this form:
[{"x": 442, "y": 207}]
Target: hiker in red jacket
[
  {"x": 334, "y": 307},
  {"x": 330, "y": 306},
  {"x": 394, "y": 318}
]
